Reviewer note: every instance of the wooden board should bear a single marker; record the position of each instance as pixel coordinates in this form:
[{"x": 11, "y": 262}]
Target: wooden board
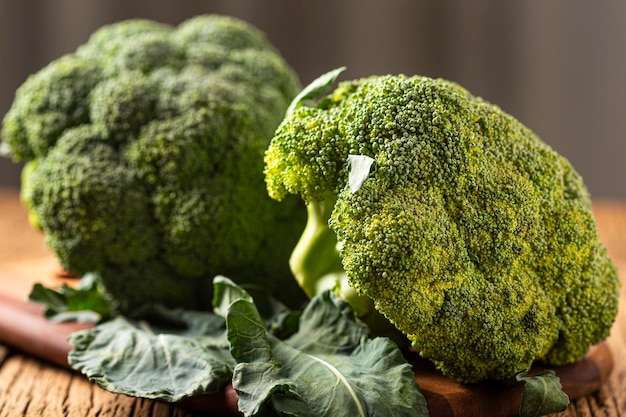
[{"x": 23, "y": 326}]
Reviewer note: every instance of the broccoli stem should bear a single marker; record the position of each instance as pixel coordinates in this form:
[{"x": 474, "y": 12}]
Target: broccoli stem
[
  {"x": 315, "y": 260},
  {"x": 316, "y": 264}
]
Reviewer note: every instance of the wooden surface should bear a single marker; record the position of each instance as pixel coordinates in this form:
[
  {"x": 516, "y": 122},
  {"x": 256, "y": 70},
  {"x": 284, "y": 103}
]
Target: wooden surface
[{"x": 32, "y": 387}]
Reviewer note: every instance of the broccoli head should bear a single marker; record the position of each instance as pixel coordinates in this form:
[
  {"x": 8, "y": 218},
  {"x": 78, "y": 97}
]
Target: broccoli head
[
  {"x": 468, "y": 233},
  {"x": 144, "y": 159}
]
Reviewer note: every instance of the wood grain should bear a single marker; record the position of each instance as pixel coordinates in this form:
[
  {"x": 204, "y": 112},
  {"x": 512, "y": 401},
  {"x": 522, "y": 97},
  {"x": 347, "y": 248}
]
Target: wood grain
[{"x": 31, "y": 388}]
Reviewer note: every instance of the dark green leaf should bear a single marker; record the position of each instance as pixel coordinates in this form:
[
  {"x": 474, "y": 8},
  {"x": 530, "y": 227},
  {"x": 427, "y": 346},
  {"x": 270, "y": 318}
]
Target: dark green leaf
[
  {"x": 85, "y": 303},
  {"x": 225, "y": 292},
  {"x": 285, "y": 324},
  {"x": 278, "y": 319},
  {"x": 184, "y": 354},
  {"x": 203, "y": 326},
  {"x": 317, "y": 87},
  {"x": 543, "y": 394},
  {"x": 250, "y": 345},
  {"x": 373, "y": 380},
  {"x": 327, "y": 368},
  {"x": 53, "y": 300},
  {"x": 328, "y": 326}
]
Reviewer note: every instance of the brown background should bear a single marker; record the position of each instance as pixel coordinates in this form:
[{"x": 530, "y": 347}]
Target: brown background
[{"x": 557, "y": 65}]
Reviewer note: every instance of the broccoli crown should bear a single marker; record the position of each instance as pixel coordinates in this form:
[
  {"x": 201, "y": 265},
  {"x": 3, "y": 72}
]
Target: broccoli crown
[
  {"x": 144, "y": 153},
  {"x": 470, "y": 234}
]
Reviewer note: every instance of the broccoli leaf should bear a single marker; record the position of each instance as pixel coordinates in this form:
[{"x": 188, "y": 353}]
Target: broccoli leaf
[
  {"x": 84, "y": 304},
  {"x": 323, "y": 364},
  {"x": 167, "y": 354},
  {"x": 359, "y": 166},
  {"x": 316, "y": 88},
  {"x": 328, "y": 367},
  {"x": 543, "y": 394},
  {"x": 226, "y": 292},
  {"x": 177, "y": 355},
  {"x": 278, "y": 318}
]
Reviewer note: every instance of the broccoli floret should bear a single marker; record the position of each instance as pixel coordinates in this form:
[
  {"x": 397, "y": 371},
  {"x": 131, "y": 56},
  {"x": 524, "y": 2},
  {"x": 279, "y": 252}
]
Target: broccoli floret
[
  {"x": 144, "y": 153},
  {"x": 51, "y": 101},
  {"x": 469, "y": 234}
]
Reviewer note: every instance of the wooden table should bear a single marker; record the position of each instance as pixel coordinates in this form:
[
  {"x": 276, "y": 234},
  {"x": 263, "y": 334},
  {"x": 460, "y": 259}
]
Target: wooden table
[{"x": 32, "y": 387}]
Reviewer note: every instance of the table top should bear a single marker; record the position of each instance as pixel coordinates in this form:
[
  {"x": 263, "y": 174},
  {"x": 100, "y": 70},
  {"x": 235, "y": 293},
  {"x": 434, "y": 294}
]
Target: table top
[{"x": 32, "y": 387}]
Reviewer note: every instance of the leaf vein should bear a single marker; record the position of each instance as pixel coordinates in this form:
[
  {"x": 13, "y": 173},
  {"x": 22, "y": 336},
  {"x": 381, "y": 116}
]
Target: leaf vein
[{"x": 345, "y": 382}]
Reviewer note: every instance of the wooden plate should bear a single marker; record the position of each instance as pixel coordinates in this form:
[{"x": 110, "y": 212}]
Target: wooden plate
[{"x": 23, "y": 326}]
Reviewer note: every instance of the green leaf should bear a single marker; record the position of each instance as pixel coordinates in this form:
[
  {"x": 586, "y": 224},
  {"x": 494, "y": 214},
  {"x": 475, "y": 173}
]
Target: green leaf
[
  {"x": 53, "y": 300},
  {"x": 85, "y": 303},
  {"x": 359, "y": 167},
  {"x": 374, "y": 379},
  {"x": 178, "y": 355},
  {"x": 316, "y": 88},
  {"x": 277, "y": 317},
  {"x": 225, "y": 292},
  {"x": 328, "y": 326},
  {"x": 250, "y": 345},
  {"x": 169, "y": 354},
  {"x": 327, "y": 368},
  {"x": 543, "y": 394}
]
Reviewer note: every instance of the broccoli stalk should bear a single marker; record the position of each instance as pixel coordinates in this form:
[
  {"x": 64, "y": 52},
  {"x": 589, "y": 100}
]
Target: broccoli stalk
[
  {"x": 315, "y": 260},
  {"x": 316, "y": 265}
]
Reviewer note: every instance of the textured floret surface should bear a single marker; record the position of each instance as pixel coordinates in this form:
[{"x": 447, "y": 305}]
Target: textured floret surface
[
  {"x": 471, "y": 235},
  {"x": 144, "y": 157}
]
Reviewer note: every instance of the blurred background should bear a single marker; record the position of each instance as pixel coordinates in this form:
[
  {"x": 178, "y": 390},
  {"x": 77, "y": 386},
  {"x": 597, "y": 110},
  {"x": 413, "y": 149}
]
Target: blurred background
[{"x": 558, "y": 66}]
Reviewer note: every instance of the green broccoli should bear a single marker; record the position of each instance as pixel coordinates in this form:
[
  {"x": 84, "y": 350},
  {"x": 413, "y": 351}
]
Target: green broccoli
[
  {"x": 468, "y": 233},
  {"x": 144, "y": 153}
]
